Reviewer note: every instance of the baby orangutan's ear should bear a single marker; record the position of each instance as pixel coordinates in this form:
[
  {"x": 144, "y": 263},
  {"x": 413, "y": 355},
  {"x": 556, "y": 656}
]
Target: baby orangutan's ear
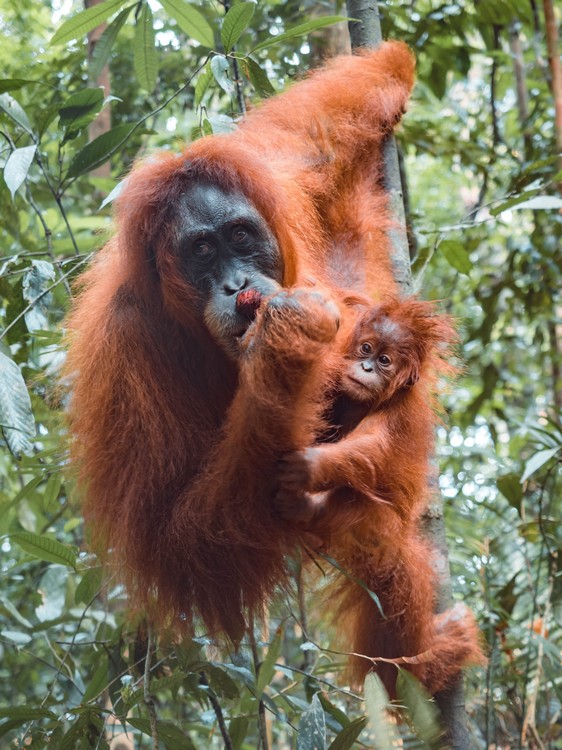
[{"x": 413, "y": 377}]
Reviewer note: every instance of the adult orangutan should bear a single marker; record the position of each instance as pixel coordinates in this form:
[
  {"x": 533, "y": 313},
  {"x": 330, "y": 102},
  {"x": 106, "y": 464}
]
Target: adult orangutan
[
  {"x": 361, "y": 489},
  {"x": 179, "y": 369}
]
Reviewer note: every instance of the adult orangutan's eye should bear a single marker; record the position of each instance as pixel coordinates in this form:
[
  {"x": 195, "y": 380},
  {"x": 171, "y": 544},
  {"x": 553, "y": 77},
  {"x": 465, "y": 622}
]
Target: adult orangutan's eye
[
  {"x": 202, "y": 249},
  {"x": 239, "y": 234}
]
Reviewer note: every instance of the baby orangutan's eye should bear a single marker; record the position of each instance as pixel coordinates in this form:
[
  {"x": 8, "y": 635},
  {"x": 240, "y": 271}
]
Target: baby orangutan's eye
[
  {"x": 384, "y": 360},
  {"x": 365, "y": 348}
]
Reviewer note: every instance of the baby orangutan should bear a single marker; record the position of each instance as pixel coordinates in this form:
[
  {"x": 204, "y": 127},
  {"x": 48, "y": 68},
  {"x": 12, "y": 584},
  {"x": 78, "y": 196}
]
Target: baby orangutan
[{"x": 360, "y": 491}]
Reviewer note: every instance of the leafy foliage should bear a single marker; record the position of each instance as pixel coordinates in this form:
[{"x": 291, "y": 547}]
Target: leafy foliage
[{"x": 479, "y": 151}]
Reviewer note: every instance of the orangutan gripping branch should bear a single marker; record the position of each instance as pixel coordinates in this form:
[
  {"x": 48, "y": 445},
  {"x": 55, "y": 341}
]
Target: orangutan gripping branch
[
  {"x": 361, "y": 490},
  {"x": 203, "y": 326}
]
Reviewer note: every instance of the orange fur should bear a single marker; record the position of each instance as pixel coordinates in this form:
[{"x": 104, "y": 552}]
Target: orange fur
[
  {"x": 175, "y": 443},
  {"x": 374, "y": 482}
]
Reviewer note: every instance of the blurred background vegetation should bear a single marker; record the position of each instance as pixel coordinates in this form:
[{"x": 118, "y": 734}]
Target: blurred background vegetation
[{"x": 479, "y": 147}]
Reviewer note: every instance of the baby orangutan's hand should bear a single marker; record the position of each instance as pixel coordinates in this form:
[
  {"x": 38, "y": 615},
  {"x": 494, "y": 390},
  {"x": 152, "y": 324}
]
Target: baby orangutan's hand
[{"x": 297, "y": 470}]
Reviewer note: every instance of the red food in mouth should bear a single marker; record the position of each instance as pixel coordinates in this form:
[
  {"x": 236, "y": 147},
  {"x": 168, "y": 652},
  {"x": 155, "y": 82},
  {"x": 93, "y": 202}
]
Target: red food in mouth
[{"x": 248, "y": 302}]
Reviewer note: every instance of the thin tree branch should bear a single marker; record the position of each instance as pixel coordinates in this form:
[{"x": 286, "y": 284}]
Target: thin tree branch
[
  {"x": 218, "y": 712},
  {"x": 148, "y": 702}
]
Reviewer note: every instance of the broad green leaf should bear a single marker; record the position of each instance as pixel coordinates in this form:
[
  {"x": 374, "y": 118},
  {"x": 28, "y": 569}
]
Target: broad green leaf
[
  {"x": 15, "y": 111},
  {"x": 541, "y": 203},
  {"x": 190, "y": 21},
  {"x": 170, "y": 734},
  {"x": 203, "y": 80},
  {"x": 267, "y": 667},
  {"x": 106, "y": 42},
  {"x": 17, "y": 167},
  {"x": 9, "y": 607},
  {"x": 257, "y": 76},
  {"x": 301, "y": 30},
  {"x": 100, "y": 149},
  {"x": 237, "y": 730},
  {"x": 79, "y": 25},
  {"x": 383, "y": 733},
  {"x": 422, "y": 711},
  {"x": 89, "y": 586},
  {"x": 52, "y": 586},
  {"x": 115, "y": 193},
  {"x": 13, "y": 84},
  {"x": 99, "y": 681},
  {"x": 514, "y": 201},
  {"x": 510, "y": 487},
  {"x": 145, "y": 61},
  {"x": 221, "y": 70},
  {"x": 222, "y": 683},
  {"x": 235, "y": 23},
  {"x": 346, "y": 738},
  {"x": 456, "y": 254},
  {"x": 26, "y": 714},
  {"x": 37, "y": 279},
  {"x": 537, "y": 461},
  {"x": 45, "y": 548},
  {"x": 80, "y": 109},
  {"x": 312, "y": 727},
  {"x": 17, "y": 637},
  {"x": 16, "y": 418}
]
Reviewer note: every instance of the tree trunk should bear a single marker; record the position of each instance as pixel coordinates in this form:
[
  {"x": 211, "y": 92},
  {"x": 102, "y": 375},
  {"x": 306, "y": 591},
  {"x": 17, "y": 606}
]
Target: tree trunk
[{"x": 365, "y": 31}]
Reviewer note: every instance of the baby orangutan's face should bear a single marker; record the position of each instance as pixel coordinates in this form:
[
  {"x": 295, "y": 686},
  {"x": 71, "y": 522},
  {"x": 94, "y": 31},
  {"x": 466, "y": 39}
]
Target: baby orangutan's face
[{"x": 381, "y": 360}]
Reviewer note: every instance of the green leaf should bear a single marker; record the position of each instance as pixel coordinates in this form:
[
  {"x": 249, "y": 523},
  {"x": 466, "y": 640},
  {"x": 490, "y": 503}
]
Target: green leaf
[
  {"x": 9, "y": 607},
  {"x": 190, "y": 21},
  {"x": 223, "y": 685},
  {"x": 45, "y": 548},
  {"x": 106, "y": 42},
  {"x": 16, "y": 417},
  {"x": 170, "y": 734},
  {"x": 422, "y": 711},
  {"x": 15, "y": 111},
  {"x": 301, "y": 30},
  {"x": 345, "y": 739},
  {"x": 235, "y": 23},
  {"x": 17, "y": 167},
  {"x": 238, "y": 729},
  {"x": 376, "y": 701},
  {"x": 26, "y": 714},
  {"x": 145, "y": 60},
  {"x": 13, "y": 84},
  {"x": 257, "y": 76},
  {"x": 98, "y": 683},
  {"x": 100, "y": 149},
  {"x": 17, "y": 637},
  {"x": 221, "y": 71},
  {"x": 203, "y": 80},
  {"x": 537, "y": 461},
  {"x": 514, "y": 201},
  {"x": 267, "y": 667},
  {"x": 79, "y": 25},
  {"x": 457, "y": 255},
  {"x": 89, "y": 586},
  {"x": 312, "y": 727},
  {"x": 510, "y": 487},
  {"x": 80, "y": 109},
  {"x": 541, "y": 203},
  {"x": 36, "y": 280}
]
